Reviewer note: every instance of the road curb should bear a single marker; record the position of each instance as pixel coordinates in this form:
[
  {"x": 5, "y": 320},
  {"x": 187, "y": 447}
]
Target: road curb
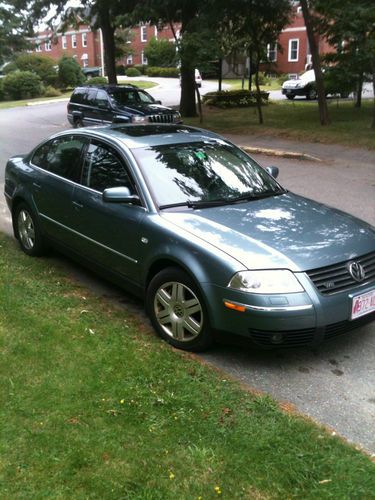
[{"x": 280, "y": 153}]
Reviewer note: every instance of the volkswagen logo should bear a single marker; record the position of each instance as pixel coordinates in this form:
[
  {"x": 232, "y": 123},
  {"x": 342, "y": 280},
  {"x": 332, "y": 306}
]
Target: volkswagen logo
[{"x": 356, "y": 271}]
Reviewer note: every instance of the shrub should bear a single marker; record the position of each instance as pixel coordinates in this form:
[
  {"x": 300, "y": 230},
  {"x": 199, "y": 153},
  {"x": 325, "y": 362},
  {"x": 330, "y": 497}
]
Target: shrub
[
  {"x": 233, "y": 98},
  {"x": 163, "y": 72},
  {"x": 70, "y": 72},
  {"x": 2, "y": 89},
  {"x": 9, "y": 67},
  {"x": 51, "y": 92},
  {"x": 98, "y": 80},
  {"x": 142, "y": 68},
  {"x": 132, "y": 72},
  {"x": 22, "y": 85},
  {"x": 43, "y": 66},
  {"x": 120, "y": 69},
  {"x": 282, "y": 78}
]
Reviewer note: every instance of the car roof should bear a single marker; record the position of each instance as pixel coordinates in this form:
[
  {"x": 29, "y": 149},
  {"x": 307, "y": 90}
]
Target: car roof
[
  {"x": 107, "y": 87},
  {"x": 140, "y": 136}
]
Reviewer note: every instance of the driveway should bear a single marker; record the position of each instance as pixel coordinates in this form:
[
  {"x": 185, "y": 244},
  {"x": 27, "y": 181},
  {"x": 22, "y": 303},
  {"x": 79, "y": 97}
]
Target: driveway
[{"x": 334, "y": 384}]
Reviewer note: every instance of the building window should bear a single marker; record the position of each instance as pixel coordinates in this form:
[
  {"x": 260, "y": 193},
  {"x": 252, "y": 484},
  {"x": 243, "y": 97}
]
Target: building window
[
  {"x": 74, "y": 41},
  {"x": 143, "y": 33},
  {"x": 144, "y": 58},
  {"x": 129, "y": 59},
  {"x": 64, "y": 42},
  {"x": 47, "y": 45},
  {"x": 272, "y": 52},
  {"x": 84, "y": 39},
  {"x": 293, "y": 50},
  {"x": 85, "y": 60},
  {"x": 38, "y": 47}
]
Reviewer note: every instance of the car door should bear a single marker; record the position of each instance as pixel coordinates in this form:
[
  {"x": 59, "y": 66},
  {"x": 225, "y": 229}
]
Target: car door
[
  {"x": 104, "y": 107},
  {"x": 57, "y": 167},
  {"x": 110, "y": 233}
]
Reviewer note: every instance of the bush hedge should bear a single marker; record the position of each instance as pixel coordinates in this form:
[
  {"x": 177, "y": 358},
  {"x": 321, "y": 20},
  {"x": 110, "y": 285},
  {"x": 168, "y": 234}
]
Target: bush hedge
[
  {"x": 132, "y": 72},
  {"x": 233, "y": 98},
  {"x": 22, "y": 85},
  {"x": 98, "y": 80},
  {"x": 163, "y": 72},
  {"x": 142, "y": 68},
  {"x": 2, "y": 96},
  {"x": 120, "y": 69},
  {"x": 51, "y": 92}
]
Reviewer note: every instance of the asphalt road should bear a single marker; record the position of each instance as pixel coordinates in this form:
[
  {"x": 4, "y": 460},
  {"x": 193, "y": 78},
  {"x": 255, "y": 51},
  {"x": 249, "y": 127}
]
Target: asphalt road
[{"x": 334, "y": 384}]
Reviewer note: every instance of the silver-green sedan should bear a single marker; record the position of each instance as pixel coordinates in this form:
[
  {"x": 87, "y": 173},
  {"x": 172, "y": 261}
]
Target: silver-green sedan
[{"x": 194, "y": 225}]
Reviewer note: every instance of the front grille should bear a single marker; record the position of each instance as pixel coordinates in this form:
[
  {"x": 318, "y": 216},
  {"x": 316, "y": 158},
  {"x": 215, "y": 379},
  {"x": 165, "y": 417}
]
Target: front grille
[
  {"x": 336, "y": 278},
  {"x": 161, "y": 118},
  {"x": 337, "y": 329}
]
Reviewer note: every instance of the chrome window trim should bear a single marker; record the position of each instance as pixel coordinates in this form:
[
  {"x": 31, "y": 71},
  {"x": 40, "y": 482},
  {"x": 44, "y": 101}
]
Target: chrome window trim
[{"x": 89, "y": 239}]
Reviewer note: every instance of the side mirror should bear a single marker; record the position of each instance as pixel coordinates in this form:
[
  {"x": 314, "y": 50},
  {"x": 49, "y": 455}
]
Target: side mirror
[
  {"x": 273, "y": 171},
  {"x": 157, "y": 102},
  {"x": 120, "y": 195}
]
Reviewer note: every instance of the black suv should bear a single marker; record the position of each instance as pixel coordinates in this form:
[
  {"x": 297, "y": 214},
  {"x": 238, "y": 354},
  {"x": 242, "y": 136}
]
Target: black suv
[{"x": 101, "y": 104}]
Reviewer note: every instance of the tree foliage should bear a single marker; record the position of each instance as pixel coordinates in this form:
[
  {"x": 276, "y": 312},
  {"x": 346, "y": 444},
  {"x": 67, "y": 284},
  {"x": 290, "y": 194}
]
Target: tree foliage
[
  {"x": 43, "y": 66},
  {"x": 13, "y": 31},
  {"x": 161, "y": 53}
]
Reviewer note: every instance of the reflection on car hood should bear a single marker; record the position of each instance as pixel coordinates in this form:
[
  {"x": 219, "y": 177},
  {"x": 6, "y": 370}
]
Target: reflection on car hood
[
  {"x": 286, "y": 231},
  {"x": 146, "y": 109}
]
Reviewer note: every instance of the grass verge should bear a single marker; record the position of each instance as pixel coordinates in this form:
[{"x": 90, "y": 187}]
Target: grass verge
[
  {"x": 93, "y": 406},
  {"x": 297, "y": 120},
  {"x": 236, "y": 84},
  {"x": 14, "y": 104}
]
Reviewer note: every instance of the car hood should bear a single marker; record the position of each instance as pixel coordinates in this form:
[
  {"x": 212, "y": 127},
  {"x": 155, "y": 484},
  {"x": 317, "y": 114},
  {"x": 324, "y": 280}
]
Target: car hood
[
  {"x": 286, "y": 231},
  {"x": 146, "y": 109}
]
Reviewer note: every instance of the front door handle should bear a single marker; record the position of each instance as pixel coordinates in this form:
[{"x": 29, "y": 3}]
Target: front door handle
[
  {"x": 77, "y": 205},
  {"x": 37, "y": 186}
]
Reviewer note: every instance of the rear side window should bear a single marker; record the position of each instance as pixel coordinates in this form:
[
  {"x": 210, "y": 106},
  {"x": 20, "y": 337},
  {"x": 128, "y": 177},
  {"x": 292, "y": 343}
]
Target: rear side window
[
  {"x": 61, "y": 156},
  {"x": 78, "y": 96}
]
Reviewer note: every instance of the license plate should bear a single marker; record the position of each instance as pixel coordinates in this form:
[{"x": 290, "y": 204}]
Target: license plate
[{"x": 363, "y": 304}]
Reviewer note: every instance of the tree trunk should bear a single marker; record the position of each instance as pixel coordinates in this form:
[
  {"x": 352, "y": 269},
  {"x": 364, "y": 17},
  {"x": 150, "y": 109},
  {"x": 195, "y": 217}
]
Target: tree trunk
[
  {"x": 258, "y": 96},
  {"x": 220, "y": 72},
  {"x": 108, "y": 31},
  {"x": 358, "y": 101},
  {"x": 314, "y": 49},
  {"x": 199, "y": 104},
  {"x": 373, "y": 87},
  {"x": 187, "y": 101}
]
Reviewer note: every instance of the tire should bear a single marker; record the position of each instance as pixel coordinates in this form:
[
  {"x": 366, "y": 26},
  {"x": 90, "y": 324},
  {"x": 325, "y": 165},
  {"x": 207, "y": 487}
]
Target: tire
[
  {"x": 177, "y": 310},
  {"x": 77, "y": 123},
  {"x": 27, "y": 231},
  {"x": 311, "y": 94},
  {"x": 290, "y": 97}
]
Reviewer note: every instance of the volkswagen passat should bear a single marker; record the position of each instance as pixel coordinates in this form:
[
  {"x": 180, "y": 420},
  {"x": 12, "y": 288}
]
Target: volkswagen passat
[{"x": 190, "y": 222}]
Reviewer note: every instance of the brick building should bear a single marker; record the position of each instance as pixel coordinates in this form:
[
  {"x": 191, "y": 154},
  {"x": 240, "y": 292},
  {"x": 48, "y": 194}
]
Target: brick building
[
  {"x": 141, "y": 35},
  {"x": 84, "y": 44}
]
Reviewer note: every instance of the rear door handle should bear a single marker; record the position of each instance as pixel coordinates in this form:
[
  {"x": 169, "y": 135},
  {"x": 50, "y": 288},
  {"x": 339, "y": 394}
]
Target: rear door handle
[{"x": 37, "y": 186}]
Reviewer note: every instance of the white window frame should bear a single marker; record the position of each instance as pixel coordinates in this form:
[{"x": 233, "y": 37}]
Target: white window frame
[
  {"x": 290, "y": 50},
  {"x": 38, "y": 46},
  {"x": 144, "y": 58},
  {"x": 84, "y": 39},
  {"x": 47, "y": 46},
  {"x": 143, "y": 33},
  {"x": 74, "y": 41},
  {"x": 64, "y": 42},
  {"x": 129, "y": 59},
  {"x": 271, "y": 47}
]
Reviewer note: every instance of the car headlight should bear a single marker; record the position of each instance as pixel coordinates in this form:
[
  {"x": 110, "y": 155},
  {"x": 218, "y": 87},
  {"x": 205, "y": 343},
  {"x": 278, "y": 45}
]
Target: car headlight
[
  {"x": 177, "y": 117},
  {"x": 269, "y": 281},
  {"x": 139, "y": 119}
]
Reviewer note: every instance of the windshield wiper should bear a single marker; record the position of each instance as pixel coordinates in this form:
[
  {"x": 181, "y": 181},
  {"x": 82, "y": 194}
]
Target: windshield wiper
[
  {"x": 196, "y": 204},
  {"x": 257, "y": 196}
]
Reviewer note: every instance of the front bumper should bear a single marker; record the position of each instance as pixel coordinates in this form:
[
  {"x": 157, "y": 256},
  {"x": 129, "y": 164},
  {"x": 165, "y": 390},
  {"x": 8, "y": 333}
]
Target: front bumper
[
  {"x": 289, "y": 320},
  {"x": 294, "y": 92}
]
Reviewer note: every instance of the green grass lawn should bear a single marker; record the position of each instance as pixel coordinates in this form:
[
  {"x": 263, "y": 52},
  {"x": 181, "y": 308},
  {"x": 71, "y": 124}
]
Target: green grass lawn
[
  {"x": 236, "y": 84},
  {"x": 142, "y": 84},
  {"x": 93, "y": 405},
  {"x": 298, "y": 121}
]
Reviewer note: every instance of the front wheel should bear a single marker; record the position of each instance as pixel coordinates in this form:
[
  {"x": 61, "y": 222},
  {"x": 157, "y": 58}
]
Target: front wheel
[
  {"x": 311, "y": 94},
  {"x": 77, "y": 123},
  {"x": 290, "y": 97},
  {"x": 177, "y": 310},
  {"x": 27, "y": 231}
]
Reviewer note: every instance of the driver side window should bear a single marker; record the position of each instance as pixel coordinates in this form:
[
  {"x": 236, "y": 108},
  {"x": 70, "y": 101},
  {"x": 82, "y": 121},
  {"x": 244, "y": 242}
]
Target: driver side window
[{"x": 104, "y": 169}]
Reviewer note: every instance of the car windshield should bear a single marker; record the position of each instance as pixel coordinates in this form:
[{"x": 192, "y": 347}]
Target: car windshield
[
  {"x": 309, "y": 76},
  {"x": 203, "y": 173},
  {"x": 127, "y": 97}
]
